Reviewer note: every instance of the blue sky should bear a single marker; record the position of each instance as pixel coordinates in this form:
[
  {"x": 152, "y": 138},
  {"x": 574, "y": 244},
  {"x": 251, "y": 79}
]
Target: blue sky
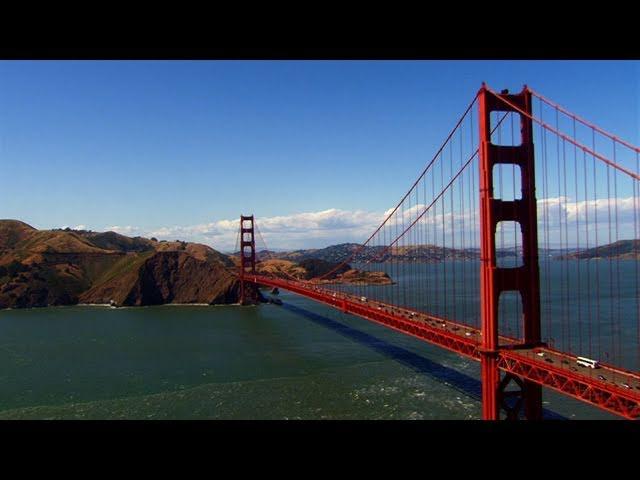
[{"x": 174, "y": 147}]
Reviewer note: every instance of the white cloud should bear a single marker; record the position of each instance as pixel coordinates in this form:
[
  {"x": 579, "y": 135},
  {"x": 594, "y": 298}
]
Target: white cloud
[
  {"x": 77, "y": 227},
  {"x": 332, "y": 226},
  {"x": 300, "y": 230},
  {"x": 562, "y": 221},
  {"x": 603, "y": 208},
  {"x": 580, "y": 222},
  {"x": 128, "y": 230}
]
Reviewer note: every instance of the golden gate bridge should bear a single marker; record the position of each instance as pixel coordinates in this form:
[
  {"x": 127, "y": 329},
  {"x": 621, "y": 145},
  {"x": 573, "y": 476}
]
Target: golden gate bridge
[{"x": 533, "y": 260}]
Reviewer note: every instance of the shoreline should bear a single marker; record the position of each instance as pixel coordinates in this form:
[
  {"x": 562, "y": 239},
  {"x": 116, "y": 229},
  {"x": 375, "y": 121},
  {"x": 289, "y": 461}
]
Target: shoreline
[{"x": 106, "y": 305}]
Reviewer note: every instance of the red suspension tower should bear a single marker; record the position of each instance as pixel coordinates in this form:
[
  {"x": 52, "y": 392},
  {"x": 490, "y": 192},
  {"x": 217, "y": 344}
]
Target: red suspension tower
[
  {"x": 247, "y": 253},
  {"x": 494, "y": 280}
]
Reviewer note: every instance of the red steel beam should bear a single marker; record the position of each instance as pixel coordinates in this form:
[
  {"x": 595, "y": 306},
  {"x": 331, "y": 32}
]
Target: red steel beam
[{"x": 579, "y": 386}]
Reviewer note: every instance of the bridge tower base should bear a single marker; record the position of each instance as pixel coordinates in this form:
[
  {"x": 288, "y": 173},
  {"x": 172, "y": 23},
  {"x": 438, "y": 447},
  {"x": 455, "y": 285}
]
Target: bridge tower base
[{"x": 494, "y": 280}]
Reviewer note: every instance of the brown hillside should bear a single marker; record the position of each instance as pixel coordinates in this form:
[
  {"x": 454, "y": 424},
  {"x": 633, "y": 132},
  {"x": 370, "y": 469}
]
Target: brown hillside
[
  {"x": 12, "y": 232},
  {"x": 63, "y": 267},
  {"x": 118, "y": 242}
]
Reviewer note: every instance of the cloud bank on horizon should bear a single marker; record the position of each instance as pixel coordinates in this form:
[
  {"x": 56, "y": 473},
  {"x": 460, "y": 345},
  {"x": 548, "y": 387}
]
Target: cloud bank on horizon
[
  {"x": 334, "y": 226},
  {"x": 296, "y": 231}
]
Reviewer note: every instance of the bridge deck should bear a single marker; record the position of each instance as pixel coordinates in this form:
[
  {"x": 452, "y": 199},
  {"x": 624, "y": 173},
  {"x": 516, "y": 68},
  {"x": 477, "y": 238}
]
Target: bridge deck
[{"x": 606, "y": 387}]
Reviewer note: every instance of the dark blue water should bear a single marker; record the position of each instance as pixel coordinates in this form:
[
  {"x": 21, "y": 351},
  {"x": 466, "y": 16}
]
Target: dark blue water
[{"x": 294, "y": 361}]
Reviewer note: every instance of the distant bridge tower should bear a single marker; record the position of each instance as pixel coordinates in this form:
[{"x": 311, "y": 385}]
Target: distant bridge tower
[
  {"x": 494, "y": 280},
  {"x": 247, "y": 253}
]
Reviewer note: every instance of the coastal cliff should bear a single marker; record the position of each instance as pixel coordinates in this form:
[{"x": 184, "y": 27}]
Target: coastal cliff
[{"x": 64, "y": 267}]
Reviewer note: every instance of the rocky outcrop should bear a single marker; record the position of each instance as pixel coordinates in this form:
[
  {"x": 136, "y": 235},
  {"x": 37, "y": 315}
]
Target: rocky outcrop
[
  {"x": 362, "y": 277},
  {"x": 169, "y": 277},
  {"x": 314, "y": 268}
]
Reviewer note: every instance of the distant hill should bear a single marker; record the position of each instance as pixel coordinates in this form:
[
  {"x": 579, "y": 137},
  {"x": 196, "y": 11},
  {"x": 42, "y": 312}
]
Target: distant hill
[
  {"x": 623, "y": 249},
  {"x": 65, "y": 267},
  {"x": 376, "y": 254}
]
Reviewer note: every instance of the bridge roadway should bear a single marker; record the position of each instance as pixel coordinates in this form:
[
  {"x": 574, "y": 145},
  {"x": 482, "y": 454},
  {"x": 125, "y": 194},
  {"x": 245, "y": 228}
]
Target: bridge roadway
[{"x": 607, "y": 387}]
